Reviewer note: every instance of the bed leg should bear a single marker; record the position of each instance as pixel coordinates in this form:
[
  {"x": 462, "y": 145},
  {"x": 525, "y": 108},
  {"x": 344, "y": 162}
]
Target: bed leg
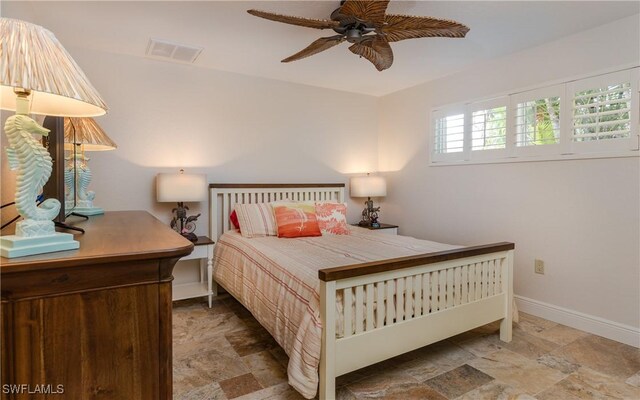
[
  {"x": 506, "y": 325},
  {"x": 327, "y": 354}
]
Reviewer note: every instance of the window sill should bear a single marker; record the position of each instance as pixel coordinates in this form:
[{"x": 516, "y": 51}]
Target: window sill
[{"x": 539, "y": 158}]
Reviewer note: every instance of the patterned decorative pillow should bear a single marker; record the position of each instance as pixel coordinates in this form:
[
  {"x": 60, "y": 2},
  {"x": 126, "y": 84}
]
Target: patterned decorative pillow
[
  {"x": 296, "y": 220},
  {"x": 256, "y": 220},
  {"x": 332, "y": 218}
]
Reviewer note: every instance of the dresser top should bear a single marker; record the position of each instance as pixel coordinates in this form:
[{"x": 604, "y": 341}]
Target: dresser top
[{"x": 117, "y": 236}]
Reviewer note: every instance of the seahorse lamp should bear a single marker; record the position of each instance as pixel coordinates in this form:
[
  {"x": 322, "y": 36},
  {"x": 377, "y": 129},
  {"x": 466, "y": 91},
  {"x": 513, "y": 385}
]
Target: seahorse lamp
[
  {"x": 82, "y": 135},
  {"x": 37, "y": 76}
]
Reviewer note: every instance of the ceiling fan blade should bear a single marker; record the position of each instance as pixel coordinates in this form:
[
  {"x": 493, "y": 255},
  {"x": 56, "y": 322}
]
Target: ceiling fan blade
[
  {"x": 365, "y": 10},
  {"x": 402, "y": 27},
  {"x": 376, "y": 50},
  {"x": 300, "y": 21},
  {"x": 316, "y": 47}
]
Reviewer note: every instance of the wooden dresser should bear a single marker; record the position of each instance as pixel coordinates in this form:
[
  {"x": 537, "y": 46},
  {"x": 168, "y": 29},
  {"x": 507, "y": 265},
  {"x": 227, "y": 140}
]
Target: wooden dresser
[{"x": 96, "y": 321}]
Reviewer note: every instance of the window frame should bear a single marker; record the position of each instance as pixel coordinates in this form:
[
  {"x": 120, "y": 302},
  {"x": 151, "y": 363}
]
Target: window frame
[{"x": 566, "y": 148}]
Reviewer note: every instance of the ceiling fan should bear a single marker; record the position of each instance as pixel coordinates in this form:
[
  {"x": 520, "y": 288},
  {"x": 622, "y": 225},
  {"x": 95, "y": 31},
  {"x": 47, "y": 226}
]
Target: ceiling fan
[{"x": 366, "y": 25}]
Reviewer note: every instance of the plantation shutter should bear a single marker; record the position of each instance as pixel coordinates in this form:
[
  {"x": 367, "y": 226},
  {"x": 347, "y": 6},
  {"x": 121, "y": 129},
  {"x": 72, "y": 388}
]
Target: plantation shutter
[
  {"x": 488, "y": 120},
  {"x": 537, "y": 120},
  {"x": 449, "y": 131},
  {"x": 604, "y": 112}
]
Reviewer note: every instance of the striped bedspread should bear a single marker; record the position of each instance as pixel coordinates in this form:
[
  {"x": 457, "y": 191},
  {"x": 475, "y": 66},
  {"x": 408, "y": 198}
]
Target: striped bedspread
[{"x": 277, "y": 280}]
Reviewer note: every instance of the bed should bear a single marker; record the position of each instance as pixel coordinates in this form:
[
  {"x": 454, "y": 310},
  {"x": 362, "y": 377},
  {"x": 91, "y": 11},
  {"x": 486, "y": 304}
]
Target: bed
[{"x": 339, "y": 303}]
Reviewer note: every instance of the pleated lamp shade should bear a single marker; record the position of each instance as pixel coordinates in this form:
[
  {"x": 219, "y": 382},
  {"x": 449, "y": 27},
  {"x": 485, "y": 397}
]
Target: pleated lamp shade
[
  {"x": 32, "y": 58},
  {"x": 87, "y": 132}
]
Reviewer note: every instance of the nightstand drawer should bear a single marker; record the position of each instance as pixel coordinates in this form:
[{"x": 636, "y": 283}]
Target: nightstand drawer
[
  {"x": 388, "y": 231},
  {"x": 198, "y": 252}
]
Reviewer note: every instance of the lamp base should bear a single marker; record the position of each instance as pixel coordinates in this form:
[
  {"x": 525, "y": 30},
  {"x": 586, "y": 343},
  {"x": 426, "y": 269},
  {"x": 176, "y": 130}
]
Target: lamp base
[
  {"x": 190, "y": 236},
  {"x": 12, "y": 246}
]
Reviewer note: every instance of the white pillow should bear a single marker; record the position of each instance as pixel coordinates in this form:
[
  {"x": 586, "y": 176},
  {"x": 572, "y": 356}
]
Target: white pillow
[{"x": 256, "y": 220}]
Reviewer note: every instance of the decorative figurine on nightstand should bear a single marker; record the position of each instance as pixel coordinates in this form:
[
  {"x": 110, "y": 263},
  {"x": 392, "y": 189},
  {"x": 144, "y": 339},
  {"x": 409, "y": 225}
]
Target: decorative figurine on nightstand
[
  {"x": 182, "y": 188},
  {"x": 187, "y": 224},
  {"x": 369, "y": 186}
]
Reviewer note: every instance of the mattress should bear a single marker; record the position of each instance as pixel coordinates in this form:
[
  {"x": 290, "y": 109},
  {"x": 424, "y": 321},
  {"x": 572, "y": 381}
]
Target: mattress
[{"x": 277, "y": 281}]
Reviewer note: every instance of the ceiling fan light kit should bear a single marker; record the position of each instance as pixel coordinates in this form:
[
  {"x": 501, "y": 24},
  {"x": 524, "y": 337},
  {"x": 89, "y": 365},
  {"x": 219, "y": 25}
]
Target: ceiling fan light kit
[{"x": 366, "y": 25}]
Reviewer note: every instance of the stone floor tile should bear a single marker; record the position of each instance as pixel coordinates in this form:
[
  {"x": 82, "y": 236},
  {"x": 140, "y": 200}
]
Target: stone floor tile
[
  {"x": 278, "y": 392},
  {"x": 406, "y": 391},
  {"x": 377, "y": 385},
  {"x": 265, "y": 368},
  {"x": 211, "y": 391},
  {"x": 518, "y": 371},
  {"x": 246, "y": 342},
  {"x": 530, "y": 346},
  {"x": 279, "y": 354},
  {"x": 586, "y": 383},
  {"x": 205, "y": 367},
  {"x": 558, "y": 363},
  {"x": 240, "y": 385},
  {"x": 556, "y": 393},
  {"x": 481, "y": 346},
  {"x": 560, "y": 334},
  {"x": 496, "y": 390},
  {"x": 634, "y": 380},
  {"x": 458, "y": 381},
  {"x": 602, "y": 355},
  {"x": 437, "y": 359},
  {"x": 532, "y": 324}
]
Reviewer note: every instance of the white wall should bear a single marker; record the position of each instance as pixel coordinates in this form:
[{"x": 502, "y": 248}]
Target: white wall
[
  {"x": 232, "y": 127},
  {"x": 580, "y": 217}
]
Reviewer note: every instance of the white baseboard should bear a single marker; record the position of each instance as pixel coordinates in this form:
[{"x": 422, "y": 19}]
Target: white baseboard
[{"x": 588, "y": 323}]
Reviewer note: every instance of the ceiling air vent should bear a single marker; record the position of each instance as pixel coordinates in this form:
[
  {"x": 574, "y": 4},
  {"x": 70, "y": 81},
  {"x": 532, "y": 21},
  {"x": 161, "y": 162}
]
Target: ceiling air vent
[{"x": 170, "y": 51}]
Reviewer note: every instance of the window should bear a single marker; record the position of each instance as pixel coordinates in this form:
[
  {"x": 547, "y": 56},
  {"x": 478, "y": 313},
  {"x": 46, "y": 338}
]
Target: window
[
  {"x": 538, "y": 122},
  {"x": 449, "y": 130},
  {"x": 489, "y": 129},
  {"x": 602, "y": 113},
  {"x": 590, "y": 115},
  {"x": 450, "y": 134}
]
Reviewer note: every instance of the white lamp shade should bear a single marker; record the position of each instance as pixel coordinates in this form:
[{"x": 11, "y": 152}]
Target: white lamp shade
[
  {"x": 181, "y": 187},
  {"x": 368, "y": 186}
]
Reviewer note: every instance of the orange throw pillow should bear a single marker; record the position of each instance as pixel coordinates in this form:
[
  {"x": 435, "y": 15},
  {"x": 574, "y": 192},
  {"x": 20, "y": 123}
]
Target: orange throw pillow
[
  {"x": 332, "y": 218},
  {"x": 296, "y": 220}
]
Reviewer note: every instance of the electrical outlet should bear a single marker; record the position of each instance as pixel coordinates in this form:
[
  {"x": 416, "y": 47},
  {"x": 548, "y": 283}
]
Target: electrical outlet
[{"x": 538, "y": 266}]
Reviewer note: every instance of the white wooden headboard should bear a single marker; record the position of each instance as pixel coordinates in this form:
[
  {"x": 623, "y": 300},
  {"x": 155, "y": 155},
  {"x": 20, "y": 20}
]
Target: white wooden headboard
[{"x": 224, "y": 196}]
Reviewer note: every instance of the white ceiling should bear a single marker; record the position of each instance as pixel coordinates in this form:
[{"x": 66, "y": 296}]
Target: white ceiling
[{"x": 236, "y": 41}]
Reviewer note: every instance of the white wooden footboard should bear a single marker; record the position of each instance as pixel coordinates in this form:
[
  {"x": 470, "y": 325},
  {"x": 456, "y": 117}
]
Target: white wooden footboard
[{"x": 395, "y": 306}]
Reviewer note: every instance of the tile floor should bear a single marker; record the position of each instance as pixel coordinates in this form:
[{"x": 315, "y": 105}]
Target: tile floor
[{"x": 223, "y": 353}]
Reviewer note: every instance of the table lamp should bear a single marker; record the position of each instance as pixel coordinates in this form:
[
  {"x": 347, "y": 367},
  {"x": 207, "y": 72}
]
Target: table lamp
[
  {"x": 369, "y": 186},
  {"x": 182, "y": 188},
  {"x": 82, "y": 135},
  {"x": 38, "y": 76}
]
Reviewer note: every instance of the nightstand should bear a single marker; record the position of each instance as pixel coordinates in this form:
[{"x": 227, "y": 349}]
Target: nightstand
[
  {"x": 203, "y": 251},
  {"x": 384, "y": 228}
]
